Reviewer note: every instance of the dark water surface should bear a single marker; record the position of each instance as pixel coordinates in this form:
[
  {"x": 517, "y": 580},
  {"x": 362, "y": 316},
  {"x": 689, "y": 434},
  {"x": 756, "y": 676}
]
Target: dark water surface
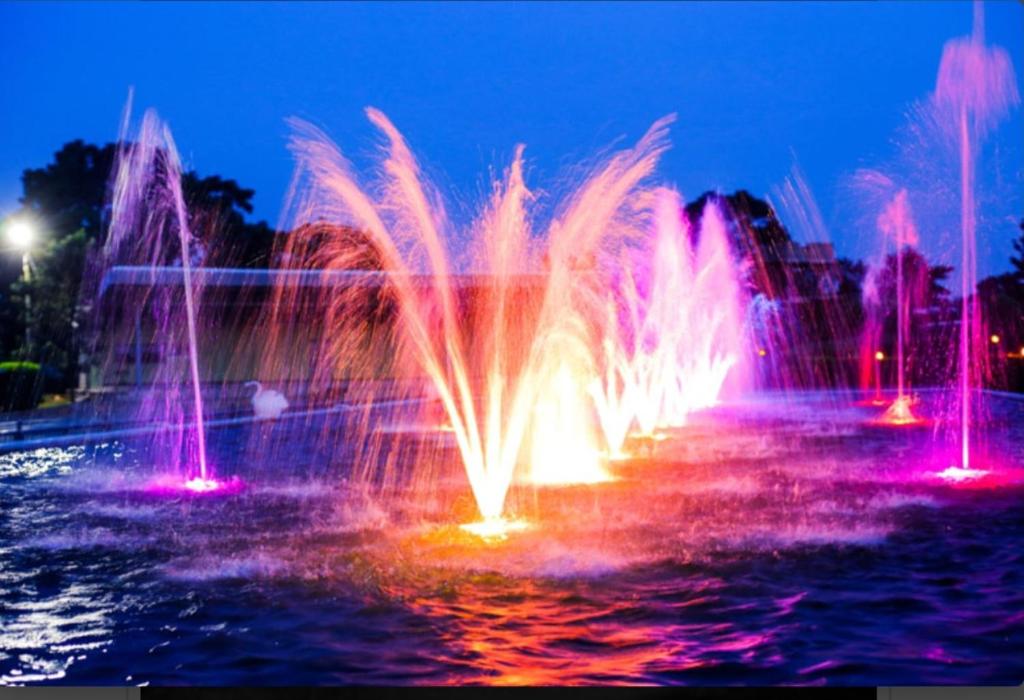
[{"x": 761, "y": 545}]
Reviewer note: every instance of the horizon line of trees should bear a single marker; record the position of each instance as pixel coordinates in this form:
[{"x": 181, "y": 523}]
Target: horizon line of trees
[{"x": 69, "y": 198}]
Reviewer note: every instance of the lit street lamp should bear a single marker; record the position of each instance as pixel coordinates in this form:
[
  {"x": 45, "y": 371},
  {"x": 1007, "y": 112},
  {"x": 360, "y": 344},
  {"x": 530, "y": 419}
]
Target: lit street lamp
[{"x": 21, "y": 235}]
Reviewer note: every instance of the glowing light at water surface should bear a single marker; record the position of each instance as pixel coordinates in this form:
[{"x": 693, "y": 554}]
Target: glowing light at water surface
[
  {"x": 900, "y": 412},
  {"x": 494, "y": 528},
  {"x": 198, "y": 486},
  {"x": 201, "y": 485},
  {"x": 564, "y": 446},
  {"x": 959, "y": 474}
]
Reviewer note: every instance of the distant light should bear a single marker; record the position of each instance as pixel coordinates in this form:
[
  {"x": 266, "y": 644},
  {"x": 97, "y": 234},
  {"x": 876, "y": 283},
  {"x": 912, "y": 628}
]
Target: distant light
[
  {"x": 20, "y": 234},
  {"x": 1022, "y": 350},
  {"x": 762, "y": 352},
  {"x": 994, "y": 339},
  {"x": 879, "y": 355}
]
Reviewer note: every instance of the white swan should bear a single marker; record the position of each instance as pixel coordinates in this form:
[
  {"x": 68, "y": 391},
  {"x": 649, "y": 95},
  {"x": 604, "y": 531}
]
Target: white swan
[{"x": 267, "y": 404}]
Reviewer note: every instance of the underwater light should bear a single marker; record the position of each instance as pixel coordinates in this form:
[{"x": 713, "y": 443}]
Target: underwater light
[
  {"x": 959, "y": 474},
  {"x": 494, "y": 528},
  {"x": 201, "y": 485}
]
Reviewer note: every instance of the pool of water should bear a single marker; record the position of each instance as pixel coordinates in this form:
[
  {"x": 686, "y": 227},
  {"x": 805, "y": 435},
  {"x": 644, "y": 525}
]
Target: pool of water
[{"x": 779, "y": 540}]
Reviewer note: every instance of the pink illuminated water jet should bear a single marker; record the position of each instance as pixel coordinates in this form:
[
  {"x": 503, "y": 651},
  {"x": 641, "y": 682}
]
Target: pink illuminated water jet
[
  {"x": 895, "y": 222},
  {"x": 675, "y": 334},
  {"x": 150, "y": 228},
  {"x": 975, "y": 89}
]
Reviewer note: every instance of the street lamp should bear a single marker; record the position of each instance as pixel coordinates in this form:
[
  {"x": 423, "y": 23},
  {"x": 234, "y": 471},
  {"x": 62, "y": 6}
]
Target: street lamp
[{"x": 21, "y": 235}]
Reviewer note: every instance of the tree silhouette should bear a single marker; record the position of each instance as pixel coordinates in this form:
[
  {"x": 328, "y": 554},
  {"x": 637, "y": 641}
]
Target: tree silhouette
[
  {"x": 69, "y": 200},
  {"x": 70, "y": 193},
  {"x": 1018, "y": 260}
]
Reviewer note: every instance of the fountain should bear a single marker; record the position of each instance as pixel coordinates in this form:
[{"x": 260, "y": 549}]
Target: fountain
[
  {"x": 502, "y": 334},
  {"x": 668, "y": 481},
  {"x": 676, "y": 332},
  {"x": 888, "y": 279},
  {"x": 974, "y": 90},
  {"x": 149, "y": 229}
]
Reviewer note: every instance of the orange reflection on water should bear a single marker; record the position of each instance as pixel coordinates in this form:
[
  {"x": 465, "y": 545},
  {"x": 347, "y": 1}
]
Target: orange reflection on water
[{"x": 516, "y": 633}]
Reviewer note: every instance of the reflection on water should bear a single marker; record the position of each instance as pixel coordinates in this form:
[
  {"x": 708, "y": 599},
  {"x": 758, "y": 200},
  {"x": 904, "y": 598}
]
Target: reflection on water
[{"x": 756, "y": 547}]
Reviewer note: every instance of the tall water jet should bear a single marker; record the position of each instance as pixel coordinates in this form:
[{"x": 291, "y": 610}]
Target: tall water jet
[
  {"x": 975, "y": 89},
  {"x": 896, "y": 222},
  {"x": 495, "y": 333},
  {"x": 871, "y": 356},
  {"x": 149, "y": 229}
]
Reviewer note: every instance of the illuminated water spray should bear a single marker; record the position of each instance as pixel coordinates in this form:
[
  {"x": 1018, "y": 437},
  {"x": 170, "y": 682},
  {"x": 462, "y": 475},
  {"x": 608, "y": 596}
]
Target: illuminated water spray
[
  {"x": 509, "y": 361},
  {"x": 975, "y": 89},
  {"x": 676, "y": 332},
  {"x": 149, "y": 228},
  {"x": 896, "y": 222}
]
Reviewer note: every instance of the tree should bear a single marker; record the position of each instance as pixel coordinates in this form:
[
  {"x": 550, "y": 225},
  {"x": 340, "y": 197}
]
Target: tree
[
  {"x": 53, "y": 290},
  {"x": 70, "y": 193},
  {"x": 851, "y": 277},
  {"x": 1002, "y": 309},
  {"x": 69, "y": 198},
  {"x": 217, "y": 209},
  {"x": 754, "y": 226},
  {"x": 1018, "y": 261},
  {"x": 923, "y": 284}
]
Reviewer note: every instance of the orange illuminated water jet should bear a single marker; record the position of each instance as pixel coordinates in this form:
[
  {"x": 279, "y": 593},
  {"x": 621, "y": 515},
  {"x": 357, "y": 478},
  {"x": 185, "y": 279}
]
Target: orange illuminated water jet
[
  {"x": 502, "y": 334},
  {"x": 901, "y": 413}
]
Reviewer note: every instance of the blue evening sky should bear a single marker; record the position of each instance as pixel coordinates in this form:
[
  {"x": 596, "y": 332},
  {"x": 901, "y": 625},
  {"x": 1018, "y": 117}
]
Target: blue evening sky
[{"x": 752, "y": 84}]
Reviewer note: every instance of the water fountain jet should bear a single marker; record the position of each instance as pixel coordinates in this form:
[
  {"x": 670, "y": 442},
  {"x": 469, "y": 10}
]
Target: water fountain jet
[
  {"x": 150, "y": 227},
  {"x": 507, "y": 367},
  {"x": 975, "y": 89}
]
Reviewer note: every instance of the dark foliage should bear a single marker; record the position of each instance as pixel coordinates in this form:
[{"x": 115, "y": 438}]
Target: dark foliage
[{"x": 68, "y": 201}]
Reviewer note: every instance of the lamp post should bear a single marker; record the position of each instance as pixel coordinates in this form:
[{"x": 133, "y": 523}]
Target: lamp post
[{"x": 21, "y": 235}]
